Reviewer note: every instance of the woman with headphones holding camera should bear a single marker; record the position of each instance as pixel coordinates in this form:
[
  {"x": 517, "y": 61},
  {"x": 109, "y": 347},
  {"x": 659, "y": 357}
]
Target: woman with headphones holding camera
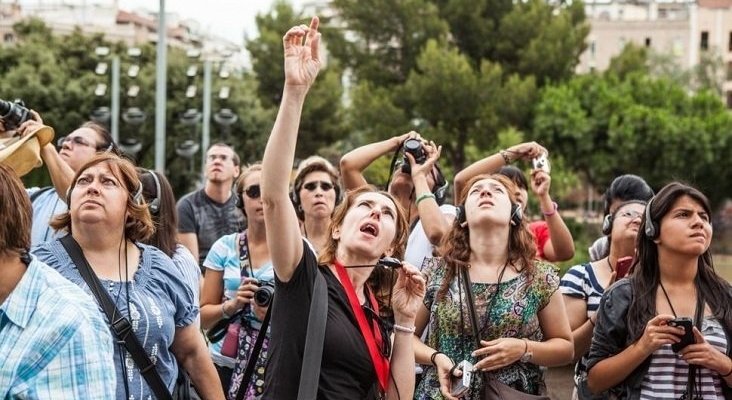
[
  {"x": 584, "y": 284},
  {"x": 664, "y": 333},
  {"x": 489, "y": 302},
  {"x": 239, "y": 271},
  {"x": 150, "y": 303}
]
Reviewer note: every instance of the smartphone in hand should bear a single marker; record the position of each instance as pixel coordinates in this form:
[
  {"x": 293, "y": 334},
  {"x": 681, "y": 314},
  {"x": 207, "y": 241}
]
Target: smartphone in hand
[
  {"x": 623, "y": 267},
  {"x": 688, "y": 337}
]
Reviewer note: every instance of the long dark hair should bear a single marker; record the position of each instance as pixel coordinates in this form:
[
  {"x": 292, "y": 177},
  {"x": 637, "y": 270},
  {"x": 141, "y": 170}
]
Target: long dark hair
[
  {"x": 456, "y": 245},
  {"x": 646, "y": 273}
]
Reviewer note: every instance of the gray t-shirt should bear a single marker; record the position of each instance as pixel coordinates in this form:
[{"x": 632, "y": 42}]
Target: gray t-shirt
[
  {"x": 209, "y": 220},
  {"x": 159, "y": 302}
]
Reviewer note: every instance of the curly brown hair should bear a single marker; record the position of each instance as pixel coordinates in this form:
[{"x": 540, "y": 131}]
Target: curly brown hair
[{"x": 455, "y": 247}]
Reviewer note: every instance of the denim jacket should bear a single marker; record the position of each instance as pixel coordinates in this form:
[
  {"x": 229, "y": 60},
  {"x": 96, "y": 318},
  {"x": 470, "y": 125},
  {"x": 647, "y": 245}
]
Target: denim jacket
[{"x": 611, "y": 337}]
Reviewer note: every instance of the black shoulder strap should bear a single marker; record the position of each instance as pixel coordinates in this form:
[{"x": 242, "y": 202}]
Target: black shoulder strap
[
  {"x": 39, "y": 192},
  {"x": 313, "y": 354},
  {"x": 691, "y": 389},
  {"x": 119, "y": 325}
]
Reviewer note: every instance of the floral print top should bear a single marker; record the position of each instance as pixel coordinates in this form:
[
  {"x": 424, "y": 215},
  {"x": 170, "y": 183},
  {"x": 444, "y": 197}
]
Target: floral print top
[{"x": 514, "y": 314}]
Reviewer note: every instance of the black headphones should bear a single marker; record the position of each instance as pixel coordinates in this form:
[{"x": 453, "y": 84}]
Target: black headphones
[
  {"x": 517, "y": 214},
  {"x": 136, "y": 197},
  {"x": 607, "y": 222},
  {"x": 239, "y": 203},
  {"x": 154, "y": 205}
]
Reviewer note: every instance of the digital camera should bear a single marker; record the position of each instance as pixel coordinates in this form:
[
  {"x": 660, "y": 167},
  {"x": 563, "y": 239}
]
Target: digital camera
[
  {"x": 461, "y": 384},
  {"x": 263, "y": 295},
  {"x": 542, "y": 163},
  {"x": 13, "y": 114},
  {"x": 413, "y": 147}
]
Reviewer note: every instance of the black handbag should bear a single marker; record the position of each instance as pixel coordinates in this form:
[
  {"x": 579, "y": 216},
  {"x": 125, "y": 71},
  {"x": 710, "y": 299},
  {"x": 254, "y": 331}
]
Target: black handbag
[
  {"x": 492, "y": 389},
  {"x": 121, "y": 328}
]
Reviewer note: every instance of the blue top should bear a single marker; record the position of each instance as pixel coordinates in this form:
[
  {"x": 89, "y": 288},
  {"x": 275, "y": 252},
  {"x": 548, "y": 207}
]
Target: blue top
[
  {"x": 54, "y": 342},
  {"x": 224, "y": 256},
  {"x": 160, "y": 301},
  {"x": 46, "y": 205}
]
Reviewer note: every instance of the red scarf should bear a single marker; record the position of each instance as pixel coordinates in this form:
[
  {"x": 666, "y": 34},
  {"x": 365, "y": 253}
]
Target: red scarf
[{"x": 372, "y": 336}]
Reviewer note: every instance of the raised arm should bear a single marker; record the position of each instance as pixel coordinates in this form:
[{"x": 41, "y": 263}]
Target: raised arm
[
  {"x": 355, "y": 161},
  {"x": 494, "y": 162},
  {"x": 302, "y": 64},
  {"x": 434, "y": 222},
  {"x": 560, "y": 246}
]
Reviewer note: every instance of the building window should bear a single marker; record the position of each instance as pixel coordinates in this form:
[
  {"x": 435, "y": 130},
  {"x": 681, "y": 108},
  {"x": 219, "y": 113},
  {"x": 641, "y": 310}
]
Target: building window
[
  {"x": 592, "y": 49},
  {"x": 729, "y": 71},
  {"x": 8, "y": 38},
  {"x": 729, "y": 46},
  {"x": 729, "y": 99},
  {"x": 648, "y": 42},
  {"x": 704, "y": 43}
]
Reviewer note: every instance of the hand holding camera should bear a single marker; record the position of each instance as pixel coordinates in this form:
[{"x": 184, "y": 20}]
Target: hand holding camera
[
  {"x": 419, "y": 157},
  {"x": 245, "y": 293}
]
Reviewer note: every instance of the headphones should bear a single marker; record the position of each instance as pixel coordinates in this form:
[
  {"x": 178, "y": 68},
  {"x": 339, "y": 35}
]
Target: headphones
[
  {"x": 651, "y": 230},
  {"x": 517, "y": 215},
  {"x": 239, "y": 203},
  {"x": 136, "y": 197},
  {"x": 154, "y": 205}
]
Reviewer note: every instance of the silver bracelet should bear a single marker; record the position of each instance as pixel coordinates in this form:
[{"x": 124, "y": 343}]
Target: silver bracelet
[
  {"x": 223, "y": 311},
  {"x": 399, "y": 328}
]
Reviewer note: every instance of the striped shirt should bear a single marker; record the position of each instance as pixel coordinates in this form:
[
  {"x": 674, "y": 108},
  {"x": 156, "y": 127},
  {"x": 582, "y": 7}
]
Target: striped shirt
[
  {"x": 668, "y": 373},
  {"x": 54, "y": 342}
]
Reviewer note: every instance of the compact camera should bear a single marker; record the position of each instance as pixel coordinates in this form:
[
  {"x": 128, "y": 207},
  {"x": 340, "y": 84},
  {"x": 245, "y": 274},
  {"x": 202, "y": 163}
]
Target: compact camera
[
  {"x": 13, "y": 114},
  {"x": 263, "y": 295},
  {"x": 413, "y": 147},
  {"x": 542, "y": 163},
  {"x": 461, "y": 385}
]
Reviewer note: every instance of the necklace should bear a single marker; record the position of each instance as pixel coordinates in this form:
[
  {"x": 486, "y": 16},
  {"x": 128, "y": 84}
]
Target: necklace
[{"x": 609, "y": 265}]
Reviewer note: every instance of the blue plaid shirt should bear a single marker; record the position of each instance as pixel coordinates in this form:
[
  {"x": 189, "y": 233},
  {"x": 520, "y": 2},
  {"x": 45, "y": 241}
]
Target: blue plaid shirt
[{"x": 54, "y": 341}]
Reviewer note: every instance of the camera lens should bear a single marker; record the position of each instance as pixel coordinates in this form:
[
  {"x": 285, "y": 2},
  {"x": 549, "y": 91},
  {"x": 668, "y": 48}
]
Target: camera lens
[{"x": 263, "y": 295}]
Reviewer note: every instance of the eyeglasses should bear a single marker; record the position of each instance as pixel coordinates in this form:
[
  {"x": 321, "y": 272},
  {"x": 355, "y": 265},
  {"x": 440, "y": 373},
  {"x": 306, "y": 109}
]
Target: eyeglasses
[
  {"x": 311, "y": 186},
  {"x": 253, "y": 191},
  {"x": 630, "y": 214},
  {"x": 76, "y": 140}
]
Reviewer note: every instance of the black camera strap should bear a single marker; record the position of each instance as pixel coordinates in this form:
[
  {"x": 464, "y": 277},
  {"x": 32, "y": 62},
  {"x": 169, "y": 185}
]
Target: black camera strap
[{"x": 119, "y": 325}]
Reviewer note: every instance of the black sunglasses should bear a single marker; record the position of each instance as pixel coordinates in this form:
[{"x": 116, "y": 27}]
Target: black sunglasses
[
  {"x": 253, "y": 191},
  {"x": 311, "y": 186}
]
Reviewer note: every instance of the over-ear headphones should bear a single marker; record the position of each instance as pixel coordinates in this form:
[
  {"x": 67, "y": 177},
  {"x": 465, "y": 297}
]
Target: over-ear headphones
[
  {"x": 607, "y": 224},
  {"x": 154, "y": 205},
  {"x": 517, "y": 214},
  {"x": 440, "y": 188},
  {"x": 651, "y": 230},
  {"x": 238, "y": 201}
]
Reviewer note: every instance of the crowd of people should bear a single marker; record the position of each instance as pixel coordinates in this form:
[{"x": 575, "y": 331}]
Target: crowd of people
[{"x": 330, "y": 288}]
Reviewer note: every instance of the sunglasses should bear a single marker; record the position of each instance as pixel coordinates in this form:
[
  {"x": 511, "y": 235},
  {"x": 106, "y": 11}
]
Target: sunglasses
[
  {"x": 311, "y": 186},
  {"x": 76, "y": 140},
  {"x": 630, "y": 214},
  {"x": 253, "y": 192}
]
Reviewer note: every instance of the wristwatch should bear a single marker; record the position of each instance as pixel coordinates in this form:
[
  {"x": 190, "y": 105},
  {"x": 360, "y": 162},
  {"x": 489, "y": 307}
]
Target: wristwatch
[{"x": 528, "y": 355}]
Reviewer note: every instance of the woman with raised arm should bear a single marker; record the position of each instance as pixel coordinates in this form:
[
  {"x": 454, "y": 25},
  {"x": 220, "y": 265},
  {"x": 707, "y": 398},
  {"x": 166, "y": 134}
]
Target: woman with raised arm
[
  {"x": 664, "y": 333},
  {"x": 359, "y": 361}
]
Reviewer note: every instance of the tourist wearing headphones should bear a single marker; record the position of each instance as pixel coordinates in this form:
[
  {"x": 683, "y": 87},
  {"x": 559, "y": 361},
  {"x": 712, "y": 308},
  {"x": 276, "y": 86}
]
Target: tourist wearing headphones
[
  {"x": 419, "y": 188},
  {"x": 160, "y": 200},
  {"x": 209, "y": 213},
  {"x": 665, "y": 332},
  {"x": 237, "y": 266},
  {"x": 623, "y": 188},
  {"x": 106, "y": 222},
  {"x": 552, "y": 238},
  {"x": 315, "y": 193},
  {"x": 584, "y": 284},
  {"x": 521, "y": 322},
  {"x": 74, "y": 150}
]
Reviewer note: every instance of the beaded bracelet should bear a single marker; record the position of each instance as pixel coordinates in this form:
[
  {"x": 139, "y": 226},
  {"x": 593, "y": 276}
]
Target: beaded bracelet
[
  {"x": 552, "y": 212},
  {"x": 424, "y": 196},
  {"x": 506, "y": 158}
]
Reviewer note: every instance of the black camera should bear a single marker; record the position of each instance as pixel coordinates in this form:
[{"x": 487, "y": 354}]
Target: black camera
[
  {"x": 263, "y": 295},
  {"x": 413, "y": 147},
  {"x": 13, "y": 114}
]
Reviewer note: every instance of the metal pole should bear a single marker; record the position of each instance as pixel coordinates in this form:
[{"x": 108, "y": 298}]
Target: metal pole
[
  {"x": 114, "y": 124},
  {"x": 160, "y": 88},
  {"x": 206, "y": 132}
]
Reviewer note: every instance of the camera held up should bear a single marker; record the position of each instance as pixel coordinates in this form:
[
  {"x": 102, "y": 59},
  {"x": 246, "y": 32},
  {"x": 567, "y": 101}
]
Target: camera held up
[
  {"x": 263, "y": 295},
  {"x": 415, "y": 148},
  {"x": 13, "y": 114}
]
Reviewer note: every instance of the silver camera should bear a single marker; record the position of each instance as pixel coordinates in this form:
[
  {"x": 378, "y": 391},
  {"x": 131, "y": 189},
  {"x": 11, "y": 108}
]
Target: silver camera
[
  {"x": 542, "y": 163},
  {"x": 461, "y": 385}
]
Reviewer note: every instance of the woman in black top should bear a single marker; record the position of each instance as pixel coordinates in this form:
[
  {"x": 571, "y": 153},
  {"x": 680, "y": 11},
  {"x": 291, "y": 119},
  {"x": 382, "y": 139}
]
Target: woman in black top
[{"x": 359, "y": 359}]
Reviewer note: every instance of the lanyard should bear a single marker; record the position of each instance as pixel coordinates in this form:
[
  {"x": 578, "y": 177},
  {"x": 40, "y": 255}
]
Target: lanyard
[
  {"x": 372, "y": 334},
  {"x": 244, "y": 261}
]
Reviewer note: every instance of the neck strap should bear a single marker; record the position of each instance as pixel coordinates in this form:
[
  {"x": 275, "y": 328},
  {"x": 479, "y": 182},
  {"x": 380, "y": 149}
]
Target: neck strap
[
  {"x": 245, "y": 262},
  {"x": 371, "y": 334}
]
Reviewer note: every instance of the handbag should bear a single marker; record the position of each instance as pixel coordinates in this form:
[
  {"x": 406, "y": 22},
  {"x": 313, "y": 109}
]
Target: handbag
[
  {"x": 492, "y": 389},
  {"x": 118, "y": 324}
]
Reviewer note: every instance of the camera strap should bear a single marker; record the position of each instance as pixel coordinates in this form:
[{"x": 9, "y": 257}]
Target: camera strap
[
  {"x": 118, "y": 324},
  {"x": 371, "y": 334}
]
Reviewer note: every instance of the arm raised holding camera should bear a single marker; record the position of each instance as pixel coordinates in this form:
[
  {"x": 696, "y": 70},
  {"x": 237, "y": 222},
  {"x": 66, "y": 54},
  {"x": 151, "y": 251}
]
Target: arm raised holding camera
[
  {"x": 560, "y": 245},
  {"x": 357, "y": 160}
]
